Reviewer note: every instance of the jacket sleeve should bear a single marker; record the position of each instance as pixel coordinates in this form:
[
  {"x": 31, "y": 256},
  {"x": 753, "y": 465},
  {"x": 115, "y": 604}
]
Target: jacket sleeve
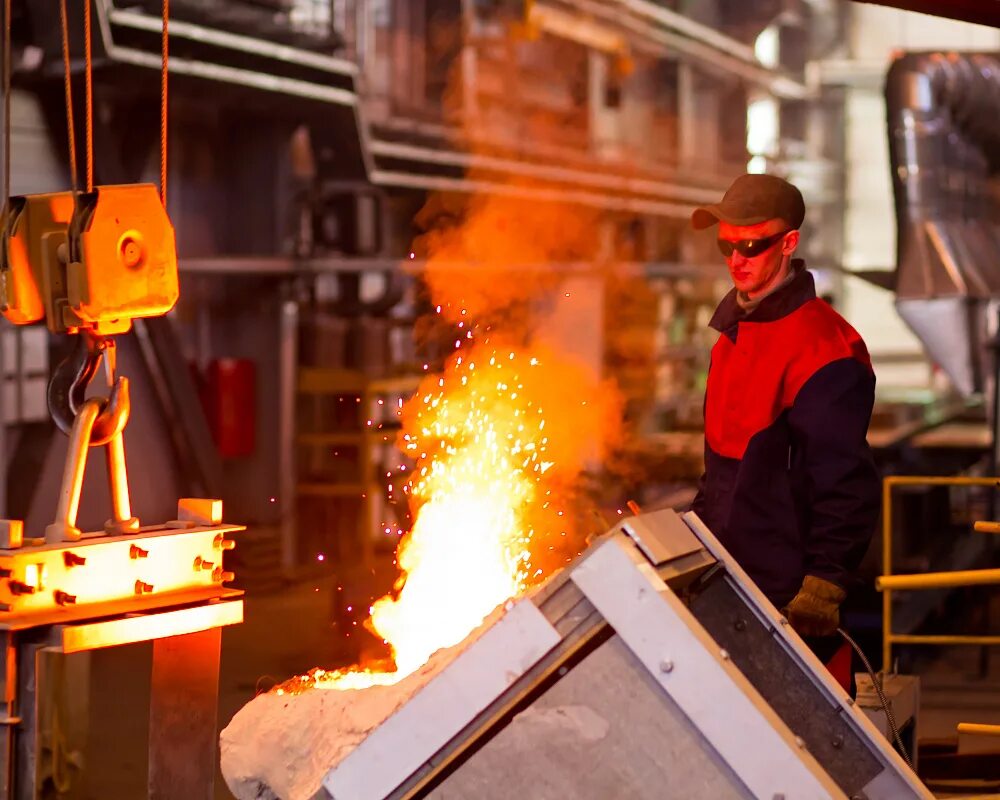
[{"x": 829, "y": 421}]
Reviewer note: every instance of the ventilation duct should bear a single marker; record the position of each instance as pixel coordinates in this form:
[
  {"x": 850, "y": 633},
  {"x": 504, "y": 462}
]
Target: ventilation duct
[{"x": 942, "y": 150}]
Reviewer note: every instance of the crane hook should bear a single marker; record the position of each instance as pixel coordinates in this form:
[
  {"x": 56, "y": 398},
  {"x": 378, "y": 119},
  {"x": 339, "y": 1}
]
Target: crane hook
[{"x": 69, "y": 383}]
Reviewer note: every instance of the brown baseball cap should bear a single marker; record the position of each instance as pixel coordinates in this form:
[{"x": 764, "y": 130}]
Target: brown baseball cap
[{"x": 752, "y": 199}]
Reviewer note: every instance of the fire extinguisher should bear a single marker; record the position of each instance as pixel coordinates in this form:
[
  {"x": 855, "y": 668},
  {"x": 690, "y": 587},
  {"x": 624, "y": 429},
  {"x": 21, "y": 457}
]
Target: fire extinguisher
[{"x": 229, "y": 399}]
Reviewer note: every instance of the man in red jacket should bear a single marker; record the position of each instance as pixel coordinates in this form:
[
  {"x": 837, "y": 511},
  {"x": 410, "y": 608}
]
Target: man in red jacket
[{"x": 790, "y": 487}]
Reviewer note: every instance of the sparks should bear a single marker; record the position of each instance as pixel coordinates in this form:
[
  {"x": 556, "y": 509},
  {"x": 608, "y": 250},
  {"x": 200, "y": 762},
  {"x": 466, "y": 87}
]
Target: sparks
[{"x": 468, "y": 551}]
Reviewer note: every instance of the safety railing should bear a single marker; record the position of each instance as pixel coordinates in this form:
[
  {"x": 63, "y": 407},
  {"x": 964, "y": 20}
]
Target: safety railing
[{"x": 889, "y": 582}]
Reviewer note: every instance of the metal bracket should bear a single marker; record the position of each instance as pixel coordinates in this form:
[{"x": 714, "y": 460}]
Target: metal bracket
[{"x": 661, "y": 536}]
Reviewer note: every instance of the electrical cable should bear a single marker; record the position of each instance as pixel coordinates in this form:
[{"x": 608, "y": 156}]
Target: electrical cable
[
  {"x": 68, "y": 86},
  {"x": 877, "y": 683}
]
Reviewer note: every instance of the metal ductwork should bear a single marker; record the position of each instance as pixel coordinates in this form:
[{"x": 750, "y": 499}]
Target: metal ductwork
[{"x": 942, "y": 150}]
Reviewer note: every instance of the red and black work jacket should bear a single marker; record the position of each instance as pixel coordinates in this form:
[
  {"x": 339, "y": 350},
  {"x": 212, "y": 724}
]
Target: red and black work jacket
[{"x": 790, "y": 486}]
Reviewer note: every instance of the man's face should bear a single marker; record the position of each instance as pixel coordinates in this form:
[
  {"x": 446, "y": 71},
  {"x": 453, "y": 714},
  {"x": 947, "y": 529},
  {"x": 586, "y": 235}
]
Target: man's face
[{"x": 758, "y": 273}]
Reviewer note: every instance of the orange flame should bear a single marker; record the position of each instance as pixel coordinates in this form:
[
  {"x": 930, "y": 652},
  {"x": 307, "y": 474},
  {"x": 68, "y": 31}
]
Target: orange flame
[
  {"x": 484, "y": 492},
  {"x": 480, "y": 445}
]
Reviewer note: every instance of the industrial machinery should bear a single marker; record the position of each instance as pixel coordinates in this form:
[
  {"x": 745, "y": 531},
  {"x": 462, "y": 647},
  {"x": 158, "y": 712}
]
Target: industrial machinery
[
  {"x": 88, "y": 263},
  {"x": 650, "y": 667},
  {"x": 160, "y": 583},
  {"x": 942, "y": 153}
]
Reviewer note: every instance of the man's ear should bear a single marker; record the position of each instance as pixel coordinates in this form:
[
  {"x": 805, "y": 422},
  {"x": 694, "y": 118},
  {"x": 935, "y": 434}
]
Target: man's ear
[{"x": 790, "y": 243}]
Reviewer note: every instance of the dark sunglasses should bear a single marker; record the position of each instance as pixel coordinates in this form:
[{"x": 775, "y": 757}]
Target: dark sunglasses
[{"x": 748, "y": 248}]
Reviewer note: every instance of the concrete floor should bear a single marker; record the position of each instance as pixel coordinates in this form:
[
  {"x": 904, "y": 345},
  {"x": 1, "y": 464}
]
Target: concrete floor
[{"x": 954, "y": 690}]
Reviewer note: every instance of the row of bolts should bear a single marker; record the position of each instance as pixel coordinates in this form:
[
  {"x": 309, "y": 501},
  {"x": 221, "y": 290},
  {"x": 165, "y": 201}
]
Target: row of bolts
[{"x": 135, "y": 552}]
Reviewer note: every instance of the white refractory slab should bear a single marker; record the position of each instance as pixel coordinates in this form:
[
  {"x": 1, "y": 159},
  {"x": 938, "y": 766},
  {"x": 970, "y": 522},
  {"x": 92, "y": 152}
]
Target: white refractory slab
[
  {"x": 439, "y": 711},
  {"x": 282, "y": 746}
]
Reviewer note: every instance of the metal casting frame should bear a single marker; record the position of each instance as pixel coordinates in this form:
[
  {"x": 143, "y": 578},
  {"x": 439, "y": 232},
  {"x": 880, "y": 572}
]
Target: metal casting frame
[
  {"x": 183, "y": 700},
  {"x": 629, "y": 586}
]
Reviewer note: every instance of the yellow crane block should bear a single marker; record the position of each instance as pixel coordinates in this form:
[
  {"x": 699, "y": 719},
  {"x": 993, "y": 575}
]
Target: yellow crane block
[
  {"x": 123, "y": 259},
  {"x": 96, "y": 261},
  {"x": 33, "y": 258}
]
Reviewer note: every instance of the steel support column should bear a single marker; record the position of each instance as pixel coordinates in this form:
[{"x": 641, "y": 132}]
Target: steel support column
[
  {"x": 183, "y": 712},
  {"x": 8, "y": 710},
  {"x": 29, "y": 650}
]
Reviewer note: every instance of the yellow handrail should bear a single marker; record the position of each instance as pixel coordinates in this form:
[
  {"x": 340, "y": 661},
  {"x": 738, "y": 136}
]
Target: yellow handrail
[
  {"x": 888, "y": 582},
  {"x": 979, "y": 729},
  {"x": 938, "y": 580},
  {"x": 987, "y": 527}
]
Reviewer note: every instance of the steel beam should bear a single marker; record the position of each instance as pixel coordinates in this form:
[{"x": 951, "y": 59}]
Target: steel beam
[
  {"x": 178, "y": 397},
  {"x": 183, "y": 715},
  {"x": 30, "y": 650},
  {"x": 979, "y": 12},
  {"x": 9, "y": 720}
]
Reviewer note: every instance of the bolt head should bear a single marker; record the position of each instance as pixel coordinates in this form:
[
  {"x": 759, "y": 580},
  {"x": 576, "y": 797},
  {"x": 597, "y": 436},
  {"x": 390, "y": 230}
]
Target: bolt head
[
  {"x": 131, "y": 251},
  {"x": 724, "y": 655},
  {"x": 666, "y": 665}
]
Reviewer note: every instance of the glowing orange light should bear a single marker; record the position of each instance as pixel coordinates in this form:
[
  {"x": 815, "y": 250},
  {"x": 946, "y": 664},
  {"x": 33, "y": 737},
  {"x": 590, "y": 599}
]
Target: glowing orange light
[{"x": 478, "y": 470}]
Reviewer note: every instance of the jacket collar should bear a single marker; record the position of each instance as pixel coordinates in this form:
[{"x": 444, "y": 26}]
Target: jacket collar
[{"x": 783, "y": 302}]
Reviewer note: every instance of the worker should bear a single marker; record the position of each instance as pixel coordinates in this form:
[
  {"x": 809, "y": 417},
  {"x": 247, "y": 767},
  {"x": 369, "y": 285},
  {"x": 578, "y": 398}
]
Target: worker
[{"x": 790, "y": 487}]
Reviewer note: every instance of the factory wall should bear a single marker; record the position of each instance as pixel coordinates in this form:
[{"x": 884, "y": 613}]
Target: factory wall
[{"x": 35, "y": 164}]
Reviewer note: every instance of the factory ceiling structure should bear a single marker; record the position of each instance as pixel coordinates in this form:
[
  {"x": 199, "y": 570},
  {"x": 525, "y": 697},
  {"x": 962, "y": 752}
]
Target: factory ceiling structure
[{"x": 986, "y": 12}]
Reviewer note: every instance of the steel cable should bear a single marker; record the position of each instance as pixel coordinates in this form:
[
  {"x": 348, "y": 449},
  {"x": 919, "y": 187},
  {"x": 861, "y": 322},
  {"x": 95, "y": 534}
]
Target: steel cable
[
  {"x": 6, "y": 101},
  {"x": 163, "y": 106},
  {"x": 68, "y": 81},
  {"x": 90, "y": 96}
]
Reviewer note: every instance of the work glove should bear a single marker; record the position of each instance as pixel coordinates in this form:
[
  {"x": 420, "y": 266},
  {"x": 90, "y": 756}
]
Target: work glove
[{"x": 815, "y": 610}]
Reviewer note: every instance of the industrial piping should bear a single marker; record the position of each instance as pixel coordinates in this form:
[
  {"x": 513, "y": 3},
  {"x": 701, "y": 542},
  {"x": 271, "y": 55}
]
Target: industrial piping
[{"x": 942, "y": 152}]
